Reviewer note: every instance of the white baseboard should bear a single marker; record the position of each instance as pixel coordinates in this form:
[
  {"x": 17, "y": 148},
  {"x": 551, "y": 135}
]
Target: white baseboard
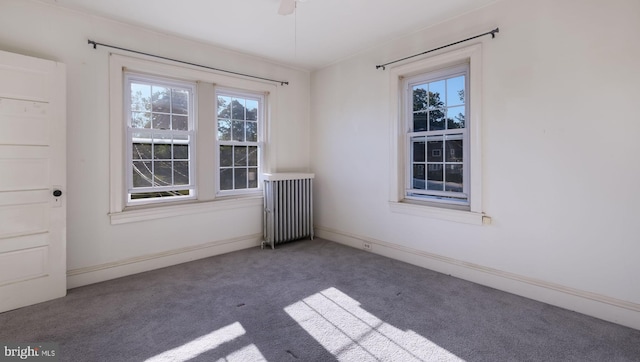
[
  {"x": 596, "y": 305},
  {"x": 99, "y": 273}
]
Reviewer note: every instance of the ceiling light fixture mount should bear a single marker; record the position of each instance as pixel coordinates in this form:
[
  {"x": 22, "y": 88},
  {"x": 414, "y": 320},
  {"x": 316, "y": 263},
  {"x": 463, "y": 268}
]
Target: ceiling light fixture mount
[{"x": 288, "y": 7}]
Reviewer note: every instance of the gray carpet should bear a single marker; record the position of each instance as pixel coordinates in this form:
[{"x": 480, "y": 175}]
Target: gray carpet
[{"x": 310, "y": 301}]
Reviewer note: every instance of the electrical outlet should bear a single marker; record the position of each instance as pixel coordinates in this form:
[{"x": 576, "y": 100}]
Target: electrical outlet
[{"x": 366, "y": 245}]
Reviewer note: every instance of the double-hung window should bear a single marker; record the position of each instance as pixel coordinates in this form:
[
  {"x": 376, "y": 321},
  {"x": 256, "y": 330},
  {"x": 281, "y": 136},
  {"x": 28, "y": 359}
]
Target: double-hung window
[
  {"x": 240, "y": 119},
  {"x": 160, "y": 139},
  {"x": 184, "y": 140},
  {"x": 438, "y": 137}
]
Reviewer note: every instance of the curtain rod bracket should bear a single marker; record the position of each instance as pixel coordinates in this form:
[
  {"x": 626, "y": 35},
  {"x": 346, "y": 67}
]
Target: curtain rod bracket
[
  {"x": 95, "y": 45},
  {"x": 492, "y": 33}
]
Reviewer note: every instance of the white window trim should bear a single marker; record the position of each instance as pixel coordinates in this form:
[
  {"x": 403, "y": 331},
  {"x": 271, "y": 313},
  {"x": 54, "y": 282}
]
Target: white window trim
[
  {"x": 398, "y": 161},
  {"x": 206, "y": 200}
]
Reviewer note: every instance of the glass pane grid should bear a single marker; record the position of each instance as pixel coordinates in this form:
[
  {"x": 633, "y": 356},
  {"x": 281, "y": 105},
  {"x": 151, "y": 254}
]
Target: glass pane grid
[
  {"x": 238, "y": 149},
  {"x": 160, "y": 139},
  {"x": 437, "y": 154},
  {"x": 439, "y": 105},
  {"x": 160, "y": 160},
  {"x": 159, "y": 107},
  {"x": 238, "y": 167}
]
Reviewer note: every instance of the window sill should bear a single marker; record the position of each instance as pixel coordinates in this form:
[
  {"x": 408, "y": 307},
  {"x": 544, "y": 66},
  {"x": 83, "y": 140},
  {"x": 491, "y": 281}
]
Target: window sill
[
  {"x": 441, "y": 213},
  {"x": 164, "y": 211}
]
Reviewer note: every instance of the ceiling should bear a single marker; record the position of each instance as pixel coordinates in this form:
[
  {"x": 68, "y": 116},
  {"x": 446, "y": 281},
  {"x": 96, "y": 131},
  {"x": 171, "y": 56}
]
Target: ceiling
[{"x": 319, "y": 33}]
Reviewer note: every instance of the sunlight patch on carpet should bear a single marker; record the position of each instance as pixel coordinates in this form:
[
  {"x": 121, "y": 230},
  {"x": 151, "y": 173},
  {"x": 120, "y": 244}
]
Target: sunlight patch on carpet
[
  {"x": 210, "y": 342},
  {"x": 350, "y": 333}
]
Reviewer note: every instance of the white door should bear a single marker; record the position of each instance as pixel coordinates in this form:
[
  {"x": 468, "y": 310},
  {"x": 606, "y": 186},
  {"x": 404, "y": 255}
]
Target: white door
[{"x": 32, "y": 167}]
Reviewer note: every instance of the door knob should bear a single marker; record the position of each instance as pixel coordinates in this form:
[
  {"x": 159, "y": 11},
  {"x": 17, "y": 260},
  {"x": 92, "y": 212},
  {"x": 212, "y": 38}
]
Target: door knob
[{"x": 57, "y": 193}]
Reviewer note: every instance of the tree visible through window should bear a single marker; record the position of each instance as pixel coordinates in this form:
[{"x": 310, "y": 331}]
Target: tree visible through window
[
  {"x": 438, "y": 137},
  {"x": 160, "y": 137},
  {"x": 239, "y": 117}
]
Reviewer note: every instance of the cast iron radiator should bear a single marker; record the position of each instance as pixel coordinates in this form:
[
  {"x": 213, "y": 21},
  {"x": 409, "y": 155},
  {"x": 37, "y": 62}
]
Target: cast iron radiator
[{"x": 288, "y": 207}]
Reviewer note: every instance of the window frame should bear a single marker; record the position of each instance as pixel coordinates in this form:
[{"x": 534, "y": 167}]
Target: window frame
[
  {"x": 399, "y": 158},
  {"x": 451, "y": 198},
  {"x": 261, "y": 98},
  {"x": 207, "y": 199},
  {"x": 130, "y": 77}
]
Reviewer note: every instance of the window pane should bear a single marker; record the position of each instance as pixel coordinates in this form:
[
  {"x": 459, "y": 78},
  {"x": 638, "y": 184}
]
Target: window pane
[
  {"x": 226, "y": 179},
  {"x": 140, "y": 97},
  {"x": 418, "y": 150},
  {"x": 142, "y": 174},
  {"x": 252, "y": 131},
  {"x": 224, "y": 107},
  {"x": 162, "y": 151},
  {"x": 436, "y": 94},
  {"x": 160, "y": 99},
  {"x": 455, "y": 117},
  {"x": 237, "y": 109},
  {"x": 162, "y": 173},
  {"x": 240, "y": 156},
  {"x": 436, "y": 120},
  {"x": 238, "y": 121},
  {"x": 141, "y": 151},
  {"x": 181, "y": 172},
  {"x": 224, "y": 130},
  {"x": 180, "y": 123},
  {"x": 420, "y": 121},
  {"x": 454, "y": 178},
  {"x": 420, "y": 98},
  {"x": 161, "y": 121},
  {"x": 140, "y": 120},
  {"x": 253, "y": 178},
  {"x": 160, "y": 158},
  {"x": 434, "y": 177},
  {"x": 453, "y": 149},
  {"x": 253, "y": 155},
  {"x": 455, "y": 91},
  {"x": 418, "y": 177},
  {"x": 240, "y": 179},
  {"x": 226, "y": 156},
  {"x": 434, "y": 149},
  {"x": 179, "y": 101},
  {"x": 238, "y": 131},
  {"x": 180, "y": 152},
  {"x": 252, "y": 110}
]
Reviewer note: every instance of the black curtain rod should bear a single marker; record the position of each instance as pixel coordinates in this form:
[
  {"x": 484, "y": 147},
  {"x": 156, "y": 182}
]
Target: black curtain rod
[
  {"x": 492, "y": 32},
  {"x": 95, "y": 45}
]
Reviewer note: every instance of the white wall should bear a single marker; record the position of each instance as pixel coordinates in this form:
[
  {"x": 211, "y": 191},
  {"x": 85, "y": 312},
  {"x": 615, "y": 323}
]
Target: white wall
[
  {"x": 560, "y": 155},
  {"x": 98, "y": 250},
  {"x": 559, "y": 151}
]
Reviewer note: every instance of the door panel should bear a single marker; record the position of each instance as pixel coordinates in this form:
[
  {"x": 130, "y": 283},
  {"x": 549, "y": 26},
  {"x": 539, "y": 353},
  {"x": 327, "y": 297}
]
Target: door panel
[
  {"x": 28, "y": 80},
  {"x": 22, "y": 220},
  {"x": 32, "y": 160},
  {"x": 23, "y": 264},
  {"x": 24, "y": 122}
]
